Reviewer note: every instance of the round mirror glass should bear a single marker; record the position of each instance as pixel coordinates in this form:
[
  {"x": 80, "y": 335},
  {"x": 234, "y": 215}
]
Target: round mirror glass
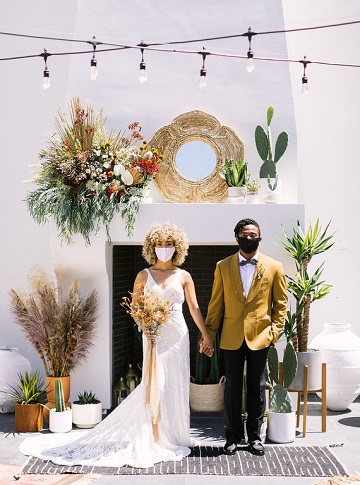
[{"x": 195, "y": 160}]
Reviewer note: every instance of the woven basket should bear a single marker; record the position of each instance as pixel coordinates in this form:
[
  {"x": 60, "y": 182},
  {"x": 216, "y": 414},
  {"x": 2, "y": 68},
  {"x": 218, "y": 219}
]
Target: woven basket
[{"x": 207, "y": 397}]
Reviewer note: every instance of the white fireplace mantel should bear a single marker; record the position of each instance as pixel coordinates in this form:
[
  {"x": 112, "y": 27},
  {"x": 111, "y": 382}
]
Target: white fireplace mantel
[{"x": 205, "y": 224}]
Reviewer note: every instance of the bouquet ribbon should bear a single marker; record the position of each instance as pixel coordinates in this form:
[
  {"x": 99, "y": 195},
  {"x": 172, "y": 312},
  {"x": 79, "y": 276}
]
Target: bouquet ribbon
[{"x": 152, "y": 383}]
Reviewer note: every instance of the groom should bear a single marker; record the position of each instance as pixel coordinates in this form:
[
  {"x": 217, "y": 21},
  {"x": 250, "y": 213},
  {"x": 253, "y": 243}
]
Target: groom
[{"x": 249, "y": 297}]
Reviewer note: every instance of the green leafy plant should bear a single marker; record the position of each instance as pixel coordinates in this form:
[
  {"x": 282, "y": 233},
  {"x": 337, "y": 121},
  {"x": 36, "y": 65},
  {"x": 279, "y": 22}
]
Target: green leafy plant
[
  {"x": 280, "y": 400},
  {"x": 87, "y": 398},
  {"x": 253, "y": 186},
  {"x": 306, "y": 288},
  {"x": 263, "y": 141},
  {"x": 29, "y": 390},
  {"x": 87, "y": 174},
  {"x": 60, "y": 328},
  {"x": 207, "y": 370},
  {"x": 235, "y": 173}
]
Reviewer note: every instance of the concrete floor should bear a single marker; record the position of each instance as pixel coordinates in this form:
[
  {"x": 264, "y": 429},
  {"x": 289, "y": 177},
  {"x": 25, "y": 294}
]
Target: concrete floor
[{"x": 342, "y": 435}]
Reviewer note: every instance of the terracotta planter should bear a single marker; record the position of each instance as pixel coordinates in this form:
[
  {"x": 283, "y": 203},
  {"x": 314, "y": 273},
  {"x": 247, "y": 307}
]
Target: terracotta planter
[
  {"x": 28, "y": 418},
  {"x": 50, "y": 393}
]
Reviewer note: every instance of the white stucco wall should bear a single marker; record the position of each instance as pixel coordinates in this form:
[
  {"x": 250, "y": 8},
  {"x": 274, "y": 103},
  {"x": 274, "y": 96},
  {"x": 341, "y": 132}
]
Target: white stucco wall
[{"x": 322, "y": 153}]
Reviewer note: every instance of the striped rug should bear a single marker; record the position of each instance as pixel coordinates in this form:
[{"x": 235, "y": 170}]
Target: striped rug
[{"x": 285, "y": 461}]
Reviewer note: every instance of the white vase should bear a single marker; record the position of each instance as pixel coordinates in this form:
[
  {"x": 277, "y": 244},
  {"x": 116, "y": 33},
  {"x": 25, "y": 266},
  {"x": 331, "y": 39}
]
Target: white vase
[
  {"x": 11, "y": 364},
  {"x": 146, "y": 198},
  {"x": 236, "y": 195},
  {"x": 268, "y": 196},
  {"x": 341, "y": 352},
  {"x": 281, "y": 427}
]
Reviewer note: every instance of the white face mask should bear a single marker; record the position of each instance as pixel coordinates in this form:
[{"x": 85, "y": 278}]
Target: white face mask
[{"x": 164, "y": 254}]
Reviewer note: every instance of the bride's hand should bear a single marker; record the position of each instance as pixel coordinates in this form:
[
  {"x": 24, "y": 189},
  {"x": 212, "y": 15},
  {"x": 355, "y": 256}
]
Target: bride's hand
[{"x": 149, "y": 336}]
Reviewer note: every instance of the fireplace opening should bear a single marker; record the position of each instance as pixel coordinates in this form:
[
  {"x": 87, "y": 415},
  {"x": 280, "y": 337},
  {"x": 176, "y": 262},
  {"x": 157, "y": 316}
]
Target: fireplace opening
[{"x": 127, "y": 262}]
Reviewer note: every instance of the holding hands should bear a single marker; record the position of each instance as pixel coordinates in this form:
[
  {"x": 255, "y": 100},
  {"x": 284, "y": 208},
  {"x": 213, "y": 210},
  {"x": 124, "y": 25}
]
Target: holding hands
[{"x": 206, "y": 346}]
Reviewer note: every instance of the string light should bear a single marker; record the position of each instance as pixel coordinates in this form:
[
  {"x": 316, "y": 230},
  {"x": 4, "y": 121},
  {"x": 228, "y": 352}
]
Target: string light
[
  {"x": 202, "y": 80},
  {"x": 46, "y": 74},
  {"x": 93, "y": 62},
  {"x": 250, "y": 55},
  {"x": 143, "y": 73},
  {"x": 305, "y": 85}
]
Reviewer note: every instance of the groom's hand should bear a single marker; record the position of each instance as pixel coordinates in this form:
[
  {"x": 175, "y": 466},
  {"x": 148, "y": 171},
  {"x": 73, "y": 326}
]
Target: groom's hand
[{"x": 206, "y": 347}]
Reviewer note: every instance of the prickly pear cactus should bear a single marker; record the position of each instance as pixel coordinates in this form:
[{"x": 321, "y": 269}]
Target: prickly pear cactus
[{"x": 280, "y": 400}]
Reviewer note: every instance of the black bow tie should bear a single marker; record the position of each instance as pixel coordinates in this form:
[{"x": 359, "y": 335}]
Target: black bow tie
[{"x": 247, "y": 261}]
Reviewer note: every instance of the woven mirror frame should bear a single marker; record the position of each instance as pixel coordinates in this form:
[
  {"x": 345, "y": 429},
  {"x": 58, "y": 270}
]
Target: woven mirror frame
[{"x": 194, "y": 126}]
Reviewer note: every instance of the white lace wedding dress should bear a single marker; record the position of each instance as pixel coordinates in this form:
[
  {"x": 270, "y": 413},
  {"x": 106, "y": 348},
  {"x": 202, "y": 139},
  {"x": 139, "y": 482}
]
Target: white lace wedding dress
[{"x": 125, "y": 437}]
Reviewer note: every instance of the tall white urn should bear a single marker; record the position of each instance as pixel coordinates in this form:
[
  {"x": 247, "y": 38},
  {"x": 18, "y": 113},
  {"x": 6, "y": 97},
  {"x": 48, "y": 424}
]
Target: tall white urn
[
  {"x": 11, "y": 364},
  {"x": 341, "y": 352}
]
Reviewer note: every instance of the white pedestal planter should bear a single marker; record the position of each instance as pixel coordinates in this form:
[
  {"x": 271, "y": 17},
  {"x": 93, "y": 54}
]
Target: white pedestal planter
[
  {"x": 314, "y": 361},
  {"x": 341, "y": 351},
  {"x": 11, "y": 364},
  {"x": 268, "y": 196},
  {"x": 281, "y": 427},
  {"x": 60, "y": 422},
  {"x": 86, "y": 415}
]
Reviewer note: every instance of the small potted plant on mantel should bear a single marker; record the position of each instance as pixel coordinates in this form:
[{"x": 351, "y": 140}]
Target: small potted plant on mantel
[
  {"x": 236, "y": 176},
  {"x": 87, "y": 410},
  {"x": 252, "y": 192}
]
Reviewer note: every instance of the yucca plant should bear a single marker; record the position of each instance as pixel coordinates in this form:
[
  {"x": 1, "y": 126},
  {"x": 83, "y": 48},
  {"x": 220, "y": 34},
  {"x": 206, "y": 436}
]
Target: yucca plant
[
  {"x": 60, "y": 328},
  {"x": 87, "y": 398},
  {"x": 304, "y": 287},
  {"x": 235, "y": 173},
  {"x": 29, "y": 390}
]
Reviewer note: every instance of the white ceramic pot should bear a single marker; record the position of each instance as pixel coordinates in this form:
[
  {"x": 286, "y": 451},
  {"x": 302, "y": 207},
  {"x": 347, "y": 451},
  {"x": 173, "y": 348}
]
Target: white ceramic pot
[
  {"x": 11, "y": 364},
  {"x": 86, "y": 415},
  {"x": 252, "y": 198},
  {"x": 60, "y": 422},
  {"x": 314, "y": 360},
  {"x": 341, "y": 350},
  {"x": 146, "y": 196},
  {"x": 236, "y": 195},
  {"x": 281, "y": 427},
  {"x": 267, "y": 195}
]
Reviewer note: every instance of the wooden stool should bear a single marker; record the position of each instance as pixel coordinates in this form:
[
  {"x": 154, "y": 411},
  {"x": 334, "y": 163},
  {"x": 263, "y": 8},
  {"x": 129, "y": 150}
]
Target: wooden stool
[{"x": 305, "y": 392}]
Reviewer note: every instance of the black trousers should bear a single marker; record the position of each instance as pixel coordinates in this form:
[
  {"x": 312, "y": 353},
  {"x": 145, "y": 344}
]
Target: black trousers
[{"x": 255, "y": 392}]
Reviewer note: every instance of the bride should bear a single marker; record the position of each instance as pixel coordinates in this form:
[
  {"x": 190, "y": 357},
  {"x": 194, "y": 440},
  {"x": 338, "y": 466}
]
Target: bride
[{"x": 153, "y": 423}]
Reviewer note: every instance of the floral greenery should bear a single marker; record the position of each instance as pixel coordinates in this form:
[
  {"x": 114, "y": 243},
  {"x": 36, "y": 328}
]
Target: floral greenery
[
  {"x": 61, "y": 329},
  {"x": 29, "y": 390},
  {"x": 88, "y": 174}
]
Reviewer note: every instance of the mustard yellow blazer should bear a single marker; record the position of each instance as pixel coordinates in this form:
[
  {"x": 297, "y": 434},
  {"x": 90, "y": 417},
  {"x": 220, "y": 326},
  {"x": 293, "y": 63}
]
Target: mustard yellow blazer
[{"x": 257, "y": 318}]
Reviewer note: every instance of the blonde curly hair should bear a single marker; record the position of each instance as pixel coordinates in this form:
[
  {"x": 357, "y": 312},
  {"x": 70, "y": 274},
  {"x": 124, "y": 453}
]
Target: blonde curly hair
[{"x": 165, "y": 232}]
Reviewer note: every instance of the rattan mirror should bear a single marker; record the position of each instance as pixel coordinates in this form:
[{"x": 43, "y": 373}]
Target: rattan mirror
[{"x": 187, "y": 127}]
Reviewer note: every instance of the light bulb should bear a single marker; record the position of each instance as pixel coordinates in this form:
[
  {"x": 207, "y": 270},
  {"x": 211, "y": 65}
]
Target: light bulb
[
  {"x": 142, "y": 74},
  {"x": 305, "y": 86},
  {"x": 250, "y": 66},
  {"x": 46, "y": 80},
  {"x": 93, "y": 69},
  {"x": 202, "y": 80}
]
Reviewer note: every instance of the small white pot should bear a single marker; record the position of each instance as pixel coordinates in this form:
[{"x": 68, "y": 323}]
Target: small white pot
[
  {"x": 60, "y": 422},
  {"x": 269, "y": 196},
  {"x": 252, "y": 198},
  {"x": 236, "y": 195},
  {"x": 86, "y": 415},
  {"x": 281, "y": 427}
]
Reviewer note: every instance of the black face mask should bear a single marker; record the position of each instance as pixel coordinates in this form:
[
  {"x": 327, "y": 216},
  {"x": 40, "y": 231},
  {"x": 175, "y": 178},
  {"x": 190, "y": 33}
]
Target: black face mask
[{"x": 248, "y": 244}]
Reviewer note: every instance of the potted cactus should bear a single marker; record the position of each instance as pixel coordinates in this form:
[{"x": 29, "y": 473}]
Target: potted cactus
[
  {"x": 86, "y": 410},
  {"x": 236, "y": 176},
  {"x": 270, "y": 157},
  {"x": 60, "y": 417},
  {"x": 281, "y": 416}
]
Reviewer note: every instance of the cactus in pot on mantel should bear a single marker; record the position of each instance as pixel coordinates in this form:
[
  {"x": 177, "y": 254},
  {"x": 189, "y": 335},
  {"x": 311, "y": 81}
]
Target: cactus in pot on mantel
[{"x": 263, "y": 141}]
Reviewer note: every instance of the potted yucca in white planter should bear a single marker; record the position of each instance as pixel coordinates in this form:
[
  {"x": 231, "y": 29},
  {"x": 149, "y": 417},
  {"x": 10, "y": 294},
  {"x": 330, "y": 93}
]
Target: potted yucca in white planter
[{"x": 87, "y": 410}]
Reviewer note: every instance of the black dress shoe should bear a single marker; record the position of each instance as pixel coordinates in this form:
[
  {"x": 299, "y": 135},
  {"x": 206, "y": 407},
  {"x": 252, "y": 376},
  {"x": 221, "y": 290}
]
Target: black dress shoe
[
  {"x": 256, "y": 448},
  {"x": 230, "y": 448}
]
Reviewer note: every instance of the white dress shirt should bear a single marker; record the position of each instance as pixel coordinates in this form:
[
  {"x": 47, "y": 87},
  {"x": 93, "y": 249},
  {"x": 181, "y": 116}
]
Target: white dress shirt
[{"x": 247, "y": 272}]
